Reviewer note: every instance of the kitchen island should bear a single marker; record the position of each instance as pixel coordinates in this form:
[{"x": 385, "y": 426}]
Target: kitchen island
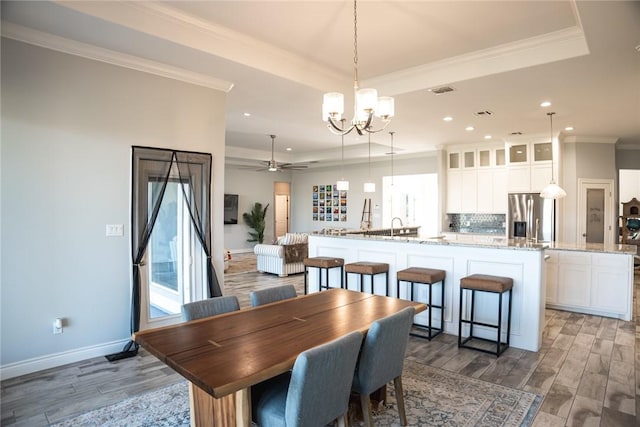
[
  {"x": 591, "y": 278},
  {"x": 524, "y": 263},
  {"x": 605, "y": 289}
]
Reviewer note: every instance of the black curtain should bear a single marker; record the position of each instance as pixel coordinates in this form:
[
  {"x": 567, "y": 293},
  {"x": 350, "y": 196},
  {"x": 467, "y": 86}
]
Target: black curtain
[{"x": 194, "y": 171}]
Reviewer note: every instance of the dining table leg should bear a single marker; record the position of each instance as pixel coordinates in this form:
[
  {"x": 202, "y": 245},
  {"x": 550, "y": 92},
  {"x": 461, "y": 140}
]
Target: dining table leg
[{"x": 233, "y": 410}]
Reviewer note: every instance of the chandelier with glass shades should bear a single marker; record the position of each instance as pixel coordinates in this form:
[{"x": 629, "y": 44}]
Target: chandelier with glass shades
[
  {"x": 552, "y": 190},
  {"x": 366, "y": 101}
]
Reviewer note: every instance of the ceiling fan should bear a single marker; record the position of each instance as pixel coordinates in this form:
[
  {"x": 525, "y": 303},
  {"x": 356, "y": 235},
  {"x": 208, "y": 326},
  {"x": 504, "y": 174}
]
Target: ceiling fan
[{"x": 273, "y": 166}]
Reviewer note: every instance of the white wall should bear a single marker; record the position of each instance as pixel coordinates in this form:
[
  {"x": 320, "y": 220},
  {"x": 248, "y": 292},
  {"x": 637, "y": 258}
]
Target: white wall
[
  {"x": 357, "y": 175},
  {"x": 68, "y": 125},
  {"x": 251, "y": 187}
]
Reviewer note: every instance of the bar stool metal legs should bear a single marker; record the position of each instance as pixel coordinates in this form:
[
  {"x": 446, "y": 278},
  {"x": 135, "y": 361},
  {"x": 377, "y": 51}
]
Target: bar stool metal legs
[
  {"x": 429, "y": 277},
  {"x": 492, "y": 284},
  {"x": 323, "y": 263}
]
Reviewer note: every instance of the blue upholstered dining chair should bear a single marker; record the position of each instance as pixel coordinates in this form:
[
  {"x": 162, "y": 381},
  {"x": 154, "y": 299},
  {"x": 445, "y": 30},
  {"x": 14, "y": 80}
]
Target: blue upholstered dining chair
[
  {"x": 276, "y": 293},
  {"x": 381, "y": 360},
  {"x": 315, "y": 392},
  {"x": 209, "y": 307}
]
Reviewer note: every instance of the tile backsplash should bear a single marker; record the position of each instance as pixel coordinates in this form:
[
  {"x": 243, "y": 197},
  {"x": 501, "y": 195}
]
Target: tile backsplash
[{"x": 477, "y": 223}]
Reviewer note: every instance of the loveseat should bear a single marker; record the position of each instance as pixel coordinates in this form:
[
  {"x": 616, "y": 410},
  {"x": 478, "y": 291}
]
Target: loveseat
[{"x": 283, "y": 258}]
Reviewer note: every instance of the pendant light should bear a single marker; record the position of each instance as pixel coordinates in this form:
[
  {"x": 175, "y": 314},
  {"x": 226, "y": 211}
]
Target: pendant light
[
  {"x": 391, "y": 153},
  {"x": 366, "y": 101},
  {"x": 369, "y": 186},
  {"x": 342, "y": 185},
  {"x": 552, "y": 190}
]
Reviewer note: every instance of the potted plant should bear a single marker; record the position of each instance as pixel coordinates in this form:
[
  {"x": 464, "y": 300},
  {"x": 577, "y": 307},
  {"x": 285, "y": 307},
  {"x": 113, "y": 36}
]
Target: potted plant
[{"x": 255, "y": 219}]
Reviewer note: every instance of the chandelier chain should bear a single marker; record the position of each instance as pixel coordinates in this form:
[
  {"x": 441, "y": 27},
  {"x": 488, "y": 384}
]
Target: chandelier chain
[{"x": 355, "y": 42}]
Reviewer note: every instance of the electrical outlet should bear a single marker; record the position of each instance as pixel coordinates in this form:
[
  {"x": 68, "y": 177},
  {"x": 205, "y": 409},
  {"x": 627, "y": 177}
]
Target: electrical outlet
[
  {"x": 114, "y": 230},
  {"x": 57, "y": 326}
]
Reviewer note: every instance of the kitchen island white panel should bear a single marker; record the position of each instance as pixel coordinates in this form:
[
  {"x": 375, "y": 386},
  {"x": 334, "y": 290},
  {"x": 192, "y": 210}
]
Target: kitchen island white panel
[{"x": 523, "y": 263}]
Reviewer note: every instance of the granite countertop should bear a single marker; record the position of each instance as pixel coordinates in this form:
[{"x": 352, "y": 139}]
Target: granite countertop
[
  {"x": 594, "y": 247},
  {"x": 498, "y": 244}
]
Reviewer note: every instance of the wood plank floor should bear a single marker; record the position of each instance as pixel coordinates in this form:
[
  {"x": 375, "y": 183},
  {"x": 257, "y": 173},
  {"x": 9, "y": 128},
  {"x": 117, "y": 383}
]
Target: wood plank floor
[{"x": 588, "y": 370}]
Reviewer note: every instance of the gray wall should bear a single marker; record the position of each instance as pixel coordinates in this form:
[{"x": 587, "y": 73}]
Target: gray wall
[
  {"x": 251, "y": 187},
  {"x": 68, "y": 125},
  {"x": 357, "y": 175},
  {"x": 581, "y": 160}
]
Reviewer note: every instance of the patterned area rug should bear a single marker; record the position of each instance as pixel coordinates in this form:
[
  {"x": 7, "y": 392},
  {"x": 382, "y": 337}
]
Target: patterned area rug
[
  {"x": 433, "y": 397},
  {"x": 241, "y": 263}
]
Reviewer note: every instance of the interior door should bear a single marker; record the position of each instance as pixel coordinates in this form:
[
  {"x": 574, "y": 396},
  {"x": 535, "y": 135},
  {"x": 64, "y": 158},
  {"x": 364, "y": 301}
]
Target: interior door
[
  {"x": 595, "y": 211},
  {"x": 282, "y": 215}
]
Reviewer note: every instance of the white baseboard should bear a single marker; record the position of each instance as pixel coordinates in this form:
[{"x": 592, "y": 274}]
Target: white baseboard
[{"x": 58, "y": 359}]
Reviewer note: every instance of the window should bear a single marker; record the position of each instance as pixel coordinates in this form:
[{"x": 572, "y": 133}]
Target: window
[{"x": 413, "y": 199}]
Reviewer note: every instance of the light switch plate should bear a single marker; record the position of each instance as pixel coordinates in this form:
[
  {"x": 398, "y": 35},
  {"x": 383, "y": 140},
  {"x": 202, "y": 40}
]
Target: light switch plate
[{"x": 114, "y": 230}]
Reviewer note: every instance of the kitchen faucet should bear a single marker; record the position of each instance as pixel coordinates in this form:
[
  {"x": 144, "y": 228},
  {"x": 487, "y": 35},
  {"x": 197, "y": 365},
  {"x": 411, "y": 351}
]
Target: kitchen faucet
[{"x": 394, "y": 218}]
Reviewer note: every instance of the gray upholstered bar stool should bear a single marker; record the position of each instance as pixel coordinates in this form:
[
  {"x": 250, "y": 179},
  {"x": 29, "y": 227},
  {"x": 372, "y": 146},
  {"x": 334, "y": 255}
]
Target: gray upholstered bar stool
[
  {"x": 323, "y": 263},
  {"x": 485, "y": 283},
  {"x": 365, "y": 268},
  {"x": 424, "y": 276}
]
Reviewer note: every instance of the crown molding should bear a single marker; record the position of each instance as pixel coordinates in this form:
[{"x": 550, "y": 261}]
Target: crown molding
[
  {"x": 551, "y": 47},
  {"x": 72, "y": 47},
  {"x": 166, "y": 23},
  {"x": 577, "y": 139}
]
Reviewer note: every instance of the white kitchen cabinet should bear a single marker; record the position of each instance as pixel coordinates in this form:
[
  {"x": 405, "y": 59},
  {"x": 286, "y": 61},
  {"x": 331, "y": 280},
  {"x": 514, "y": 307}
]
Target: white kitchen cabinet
[
  {"x": 540, "y": 176},
  {"x": 469, "y": 202},
  {"x": 499, "y": 191},
  {"x": 590, "y": 282},
  {"x": 552, "y": 277},
  {"x": 609, "y": 282},
  {"x": 574, "y": 285},
  {"x": 454, "y": 192},
  {"x": 519, "y": 178},
  {"x": 485, "y": 181}
]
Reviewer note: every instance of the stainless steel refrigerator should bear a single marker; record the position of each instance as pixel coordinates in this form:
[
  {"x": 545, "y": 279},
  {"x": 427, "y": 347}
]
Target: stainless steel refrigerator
[{"x": 531, "y": 217}]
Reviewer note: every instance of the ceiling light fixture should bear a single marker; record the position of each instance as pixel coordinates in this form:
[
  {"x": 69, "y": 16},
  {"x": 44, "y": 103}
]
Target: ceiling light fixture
[
  {"x": 545, "y": 104},
  {"x": 273, "y": 166},
  {"x": 448, "y": 119},
  {"x": 342, "y": 185},
  {"x": 366, "y": 101},
  {"x": 552, "y": 190},
  {"x": 487, "y": 137},
  {"x": 469, "y": 128},
  {"x": 369, "y": 186},
  {"x": 569, "y": 128}
]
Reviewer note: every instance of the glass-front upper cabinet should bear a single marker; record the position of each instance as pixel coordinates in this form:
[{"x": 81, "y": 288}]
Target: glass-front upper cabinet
[
  {"x": 542, "y": 151},
  {"x": 518, "y": 153},
  {"x": 484, "y": 158},
  {"x": 469, "y": 158},
  {"x": 454, "y": 160}
]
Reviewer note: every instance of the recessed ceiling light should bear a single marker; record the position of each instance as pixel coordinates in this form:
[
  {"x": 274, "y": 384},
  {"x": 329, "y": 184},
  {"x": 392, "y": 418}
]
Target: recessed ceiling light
[
  {"x": 545, "y": 104},
  {"x": 569, "y": 128},
  {"x": 289, "y": 148},
  {"x": 487, "y": 137},
  {"x": 469, "y": 128},
  {"x": 247, "y": 114},
  {"x": 447, "y": 118}
]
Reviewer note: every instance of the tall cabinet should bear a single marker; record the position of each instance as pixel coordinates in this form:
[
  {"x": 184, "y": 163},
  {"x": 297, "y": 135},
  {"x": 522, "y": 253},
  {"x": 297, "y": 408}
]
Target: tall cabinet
[{"x": 479, "y": 177}]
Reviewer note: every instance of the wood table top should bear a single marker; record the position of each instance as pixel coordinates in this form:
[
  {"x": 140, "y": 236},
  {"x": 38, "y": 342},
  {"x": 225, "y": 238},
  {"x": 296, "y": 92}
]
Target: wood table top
[{"x": 226, "y": 353}]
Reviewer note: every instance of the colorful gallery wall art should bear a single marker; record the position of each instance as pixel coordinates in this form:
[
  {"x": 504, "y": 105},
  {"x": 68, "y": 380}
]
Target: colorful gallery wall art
[{"x": 329, "y": 204}]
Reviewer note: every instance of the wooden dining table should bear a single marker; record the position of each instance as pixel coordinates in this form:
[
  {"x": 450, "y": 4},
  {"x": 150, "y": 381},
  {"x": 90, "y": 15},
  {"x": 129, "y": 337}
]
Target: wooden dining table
[{"x": 223, "y": 356}]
